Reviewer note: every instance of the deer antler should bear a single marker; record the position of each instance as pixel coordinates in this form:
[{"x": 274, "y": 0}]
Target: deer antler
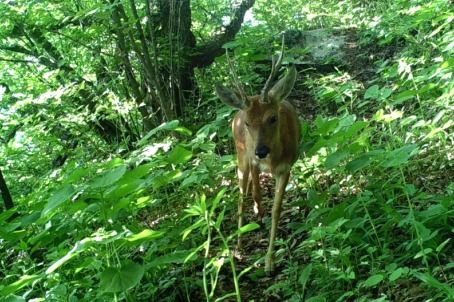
[
  {"x": 275, "y": 66},
  {"x": 235, "y": 78}
]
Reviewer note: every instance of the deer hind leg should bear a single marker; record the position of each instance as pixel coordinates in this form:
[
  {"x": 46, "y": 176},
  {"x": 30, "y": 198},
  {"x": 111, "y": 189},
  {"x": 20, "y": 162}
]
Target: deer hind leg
[
  {"x": 257, "y": 192},
  {"x": 281, "y": 183},
  {"x": 244, "y": 180}
]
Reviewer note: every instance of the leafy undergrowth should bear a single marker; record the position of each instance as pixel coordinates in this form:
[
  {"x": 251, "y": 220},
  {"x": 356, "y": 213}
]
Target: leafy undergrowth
[{"x": 368, "y": 213}]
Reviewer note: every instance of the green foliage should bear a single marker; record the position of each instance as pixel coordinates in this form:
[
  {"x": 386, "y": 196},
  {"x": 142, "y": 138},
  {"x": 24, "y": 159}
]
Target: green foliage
[{"x": 369, "y": 209}]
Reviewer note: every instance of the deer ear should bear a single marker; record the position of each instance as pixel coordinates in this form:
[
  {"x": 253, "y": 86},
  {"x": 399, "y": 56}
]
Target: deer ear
[
  {"x": 229, "y": 97},
  {"x": 283, "y": 87}
]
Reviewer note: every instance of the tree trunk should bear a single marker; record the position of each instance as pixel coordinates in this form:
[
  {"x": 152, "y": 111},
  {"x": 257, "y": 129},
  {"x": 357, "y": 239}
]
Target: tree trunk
[
  {"x": 6, "y": 195},
  {"x": 175, "y": 21}
]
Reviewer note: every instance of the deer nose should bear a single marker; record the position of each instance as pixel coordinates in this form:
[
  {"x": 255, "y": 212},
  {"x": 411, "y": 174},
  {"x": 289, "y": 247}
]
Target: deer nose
[{"x": 262, "y": 151}]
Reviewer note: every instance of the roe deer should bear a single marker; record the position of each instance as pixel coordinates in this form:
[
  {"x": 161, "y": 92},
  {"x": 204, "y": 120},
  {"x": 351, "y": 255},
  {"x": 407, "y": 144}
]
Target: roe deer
[{"x": 266, "y": 132}]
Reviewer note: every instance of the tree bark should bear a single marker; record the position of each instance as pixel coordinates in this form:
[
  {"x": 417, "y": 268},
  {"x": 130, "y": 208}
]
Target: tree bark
[
  {"x": 175, "y": 21},
  {"x": 6, "y": 195}
]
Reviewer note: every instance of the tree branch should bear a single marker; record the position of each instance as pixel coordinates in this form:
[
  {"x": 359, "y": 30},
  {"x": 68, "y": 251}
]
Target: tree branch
[
  {"x": 17, "y": 48},
  {"x": 17, "y": 60},
  {"x": 205, "y": 53}
]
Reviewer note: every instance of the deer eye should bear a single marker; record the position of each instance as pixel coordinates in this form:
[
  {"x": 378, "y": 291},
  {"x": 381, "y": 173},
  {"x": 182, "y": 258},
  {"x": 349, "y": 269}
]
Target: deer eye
[
  {"x": 247, "y": 124},
  {"x": 273, "y": 119}
]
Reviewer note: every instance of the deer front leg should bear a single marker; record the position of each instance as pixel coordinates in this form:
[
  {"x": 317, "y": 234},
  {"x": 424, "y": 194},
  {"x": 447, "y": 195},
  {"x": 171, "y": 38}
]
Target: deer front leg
[
  {"x": 281, "y": 183},
  {"x": 257, "y": 192},
  {"x": 243, "y": 177}
]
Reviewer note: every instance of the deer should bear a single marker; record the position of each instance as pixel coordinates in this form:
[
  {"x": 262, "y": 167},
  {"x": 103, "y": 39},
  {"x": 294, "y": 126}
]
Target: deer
[{"x": 266, "y": 134}]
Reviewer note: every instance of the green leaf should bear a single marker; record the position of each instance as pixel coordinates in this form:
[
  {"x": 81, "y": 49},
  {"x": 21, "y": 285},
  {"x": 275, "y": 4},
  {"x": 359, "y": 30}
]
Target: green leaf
[
  {"x": 372, "y": 92},
  {"x": 442, "y": 245},
  {"x": 359, "y": 163},
  {"x": 179, "y": 155},
  {"x": 304, "y": 277},
  {"x": 165, "y": 178},
  {"x": 373, "y": 280},
  {"x": 403, "y": 96},
  {"x": 141, "y": 170},
  {"x": 175, "y": 257},
  {"x": 231, "y": 45},
  {"x": 396, "y": 274},
  {"x": 13, "y": 299},
  {"x": 316, "y": 299},
  {"x": 325, "y": 126},
  {"x": 168, "y": 126},
  {"x": 431, "y": 281},
  {"x": 248, "y": 228},
  {"x": 58, "y": 198},
  {"x": 114, "y": 279},
  {"x": 124, "y": 188},
  {"x": 399, "y": 156},
  {"x": 145, "y": 235},
  {"x": 109, "y": 177},
  {"x": 78, "y": 247},
  {"x": 422, "y": 253},
  {"x": 216, "y": 200},
  {"x": 335, "y": 158},
  {"x": 17, "y": 285}
]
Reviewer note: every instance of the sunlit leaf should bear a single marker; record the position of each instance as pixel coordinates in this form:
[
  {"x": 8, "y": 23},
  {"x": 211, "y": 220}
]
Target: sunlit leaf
[
  {"x": 145, "y": 235},
  {"x": 168, "y": 126},
  {"x": 78, "y": 247},
  {"x": 373, "y": 280},
  {"x": 108, "y": 178},
  {"x": 179, "y": 155},
  {"x": 422, "y": 253},
  {"x": 17, "y": 285},
  {"x": 248, "y": 228}
]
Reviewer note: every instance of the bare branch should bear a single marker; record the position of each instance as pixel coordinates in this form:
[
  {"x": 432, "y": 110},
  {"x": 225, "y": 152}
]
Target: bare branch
[{"x": 236, "y": 80}]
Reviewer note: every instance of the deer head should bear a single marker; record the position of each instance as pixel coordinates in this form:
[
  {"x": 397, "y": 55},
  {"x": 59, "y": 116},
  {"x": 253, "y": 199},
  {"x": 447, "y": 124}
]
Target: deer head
[{"x": 261, "y": 112}]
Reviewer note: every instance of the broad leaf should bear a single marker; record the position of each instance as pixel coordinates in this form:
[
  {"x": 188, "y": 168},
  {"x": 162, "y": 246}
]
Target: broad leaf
[
  {"x": 58, "y": 198},
  {"x": 396, "y": 274},
  {"x": 335, "y": 158},
  {"x": 179, "y": 155},
  {"x": 359, "y": 163},
  {"x": 114, "y": 280},
  {"x": 373, "y": 280},
  {"x": 399, "y": 156},
  {"x": 109, "y": 177},
  {"x": 373, "y": 92}
]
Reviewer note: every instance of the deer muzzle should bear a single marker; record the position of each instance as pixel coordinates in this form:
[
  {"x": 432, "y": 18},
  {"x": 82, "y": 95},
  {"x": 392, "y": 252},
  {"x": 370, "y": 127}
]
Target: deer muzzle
[{"x": 262, "y": 151}]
